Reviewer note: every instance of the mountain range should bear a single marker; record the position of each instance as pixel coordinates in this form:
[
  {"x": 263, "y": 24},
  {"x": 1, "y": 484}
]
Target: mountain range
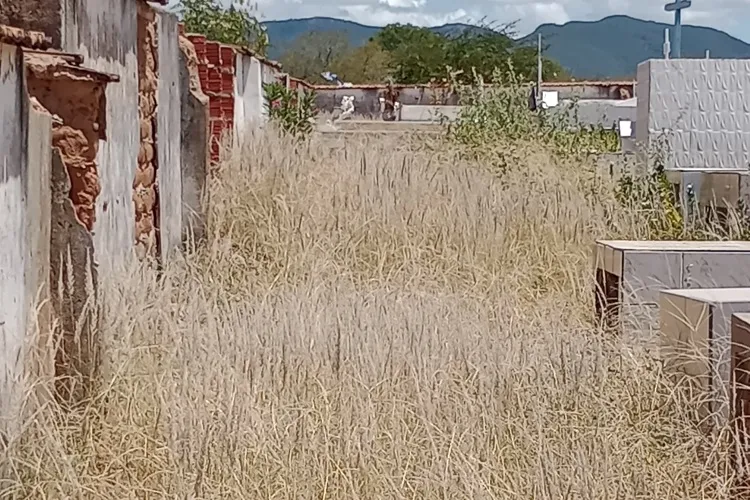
[{"x": 609, "y": 48}]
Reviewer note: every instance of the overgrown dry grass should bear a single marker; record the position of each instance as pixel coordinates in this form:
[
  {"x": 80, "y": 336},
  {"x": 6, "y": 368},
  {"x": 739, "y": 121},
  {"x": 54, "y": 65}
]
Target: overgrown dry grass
[{"x": 381, "y": 321}]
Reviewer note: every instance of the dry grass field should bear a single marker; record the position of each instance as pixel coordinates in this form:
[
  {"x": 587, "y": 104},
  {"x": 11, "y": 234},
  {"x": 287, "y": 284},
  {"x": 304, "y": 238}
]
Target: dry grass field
[{"x": 382, "y": 321}]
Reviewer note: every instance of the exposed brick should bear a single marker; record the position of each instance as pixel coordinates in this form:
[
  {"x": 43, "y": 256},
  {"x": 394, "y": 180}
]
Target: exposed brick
[
  {"x": 227, "y": 56},
  {"x": 227, "y": 83},
  {"x": 213, "y": 53}
]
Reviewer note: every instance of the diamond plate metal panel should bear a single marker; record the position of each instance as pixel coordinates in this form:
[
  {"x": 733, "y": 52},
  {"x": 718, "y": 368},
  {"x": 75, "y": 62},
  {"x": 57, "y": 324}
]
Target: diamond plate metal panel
[{"x": 700, "y": 103}]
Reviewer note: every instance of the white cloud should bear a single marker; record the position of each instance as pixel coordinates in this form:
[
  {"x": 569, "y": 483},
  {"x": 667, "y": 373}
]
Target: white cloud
[
  {"x": 726, "y": 15},
  {"x": 378, "y": 16},
  {"x": 403, "y": 4},
  {"x": 550, "y": 12}
]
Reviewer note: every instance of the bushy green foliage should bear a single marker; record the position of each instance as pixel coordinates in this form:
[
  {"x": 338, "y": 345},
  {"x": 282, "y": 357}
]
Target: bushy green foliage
[
  {"x": 292, "y": 111},
  {"x": 410, "y": 55},
  {"x": 501, "y": 112},
  {"x": 313, "y": 53},
  {"x": 670, "y": 218},
  {"x": 231, "y": 24},
  {"x": 419, "y": 55},
  {"x": 366, "y": 64},
  {"x": 652, "y": 195}
]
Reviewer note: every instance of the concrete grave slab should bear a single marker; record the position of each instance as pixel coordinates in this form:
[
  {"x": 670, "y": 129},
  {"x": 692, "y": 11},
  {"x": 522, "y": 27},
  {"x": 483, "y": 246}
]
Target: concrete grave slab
[
  {"x": 710, "y": 189},
  {"x": 631, "y": 274},
  {"x": 702, "y": 338}
]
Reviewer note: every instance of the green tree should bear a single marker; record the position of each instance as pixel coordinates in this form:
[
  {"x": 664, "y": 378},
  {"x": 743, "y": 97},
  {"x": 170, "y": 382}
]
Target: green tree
[
  {"x": 525, "y": 64},
  {"x": 478, "y": 50},
  {"x": 418, "y": 55},
  {"x": 367, "y": 64},
  {"x": 313, "y": 53},
  {"x": 233, "y": 24}
]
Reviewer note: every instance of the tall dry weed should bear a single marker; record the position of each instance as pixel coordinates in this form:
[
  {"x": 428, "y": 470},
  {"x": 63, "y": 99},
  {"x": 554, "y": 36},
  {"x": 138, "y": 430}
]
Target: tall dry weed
[{"x": 381, "y": 320}]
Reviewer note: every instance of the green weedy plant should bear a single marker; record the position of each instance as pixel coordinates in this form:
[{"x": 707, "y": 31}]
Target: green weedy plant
[
  {"x": 233, "y": 24},
  {"x": 501, "y": 112},
  {"x": 292, "y": 111},
  {"x": 652, "y": 195}
]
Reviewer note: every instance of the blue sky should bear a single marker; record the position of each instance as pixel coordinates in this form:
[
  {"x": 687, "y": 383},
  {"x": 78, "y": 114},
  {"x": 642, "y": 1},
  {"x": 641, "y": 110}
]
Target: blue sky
[{"x": 732, "y": 16}]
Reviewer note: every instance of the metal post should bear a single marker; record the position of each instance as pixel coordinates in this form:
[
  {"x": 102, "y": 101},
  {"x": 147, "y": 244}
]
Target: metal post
[
  {"x": 677, "y": 33},
  {"x": 539, "y": 70},
  {"x": 666, "y": 48},
  {"x": 708, "y": 54}
]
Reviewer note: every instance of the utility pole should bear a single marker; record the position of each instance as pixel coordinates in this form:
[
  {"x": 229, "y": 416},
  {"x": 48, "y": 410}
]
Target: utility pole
[
  {"x": 539, "y": 69},
  {"x": 677, "y": 6}
]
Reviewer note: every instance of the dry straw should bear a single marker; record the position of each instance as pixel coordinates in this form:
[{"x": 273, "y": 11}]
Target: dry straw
[{"x": 379, "y": 319}]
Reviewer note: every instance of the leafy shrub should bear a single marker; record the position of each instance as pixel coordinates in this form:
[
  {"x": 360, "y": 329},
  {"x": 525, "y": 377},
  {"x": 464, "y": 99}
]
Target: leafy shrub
[
  {"x": 233, "y": 25},
  {"x": 652, "y": 195},
  {"x": 501, "y": 112},
  {"x": 292, "y": 111}
]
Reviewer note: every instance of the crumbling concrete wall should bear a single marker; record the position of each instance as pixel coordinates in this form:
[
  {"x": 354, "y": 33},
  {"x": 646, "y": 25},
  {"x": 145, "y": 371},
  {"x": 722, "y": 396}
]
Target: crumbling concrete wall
[
  {"x": 270, "y": 72},
  {"x": 25, "y": 151},
  {"x": 249, "y": 109},
  {"x": 257, "y": 68},
  {"x": 194, "y": 140},
  {"x": 168, "y": 126},
  {"x": 39, "y": 210},
  {"x": 13, "y": 224},
  {"x": 366, "y": 96},
  {"x": 76, "y": 97},
  {"x": 105, "y": 33},
  {"x": 44, "y": 16},
  {"x": 145, "y": 185}
]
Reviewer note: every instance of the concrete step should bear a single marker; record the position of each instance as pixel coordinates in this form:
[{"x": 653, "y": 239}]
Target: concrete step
[
  {"x": 704, "y": 335},
  {"x": 631, "y": 274},
  {"x": 368, "y": 125}
]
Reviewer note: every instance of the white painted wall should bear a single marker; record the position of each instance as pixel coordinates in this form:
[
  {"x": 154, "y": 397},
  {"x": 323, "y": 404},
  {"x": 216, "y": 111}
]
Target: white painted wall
[
  {"x": 249, "y": 110},
  {"x": 105, "y": 33},
  {"x": 12, "y": 231},
  {"x": 25, "y": 160},
  {"x": 168, "y": 145},
  {"x": 269, "y": 73}
]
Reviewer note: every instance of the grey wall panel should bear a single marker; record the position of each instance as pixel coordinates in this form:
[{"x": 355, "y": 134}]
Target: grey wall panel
[
  {"x": 700, "y": 103},
  {"x": 645, "y": 274},
  {"x": 716, "y": 269}
]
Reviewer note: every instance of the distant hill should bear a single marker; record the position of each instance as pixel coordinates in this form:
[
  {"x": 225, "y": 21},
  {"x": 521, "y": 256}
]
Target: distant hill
[
  {"x": 609, "y": 48},
  {"x": 283, "y": 33},
  {"x": 613, "y": 46}
]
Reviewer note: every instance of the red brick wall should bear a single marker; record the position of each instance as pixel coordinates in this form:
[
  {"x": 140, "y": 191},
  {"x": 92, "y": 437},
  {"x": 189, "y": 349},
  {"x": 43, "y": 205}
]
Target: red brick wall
[{"x": 216, "y": 68}]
